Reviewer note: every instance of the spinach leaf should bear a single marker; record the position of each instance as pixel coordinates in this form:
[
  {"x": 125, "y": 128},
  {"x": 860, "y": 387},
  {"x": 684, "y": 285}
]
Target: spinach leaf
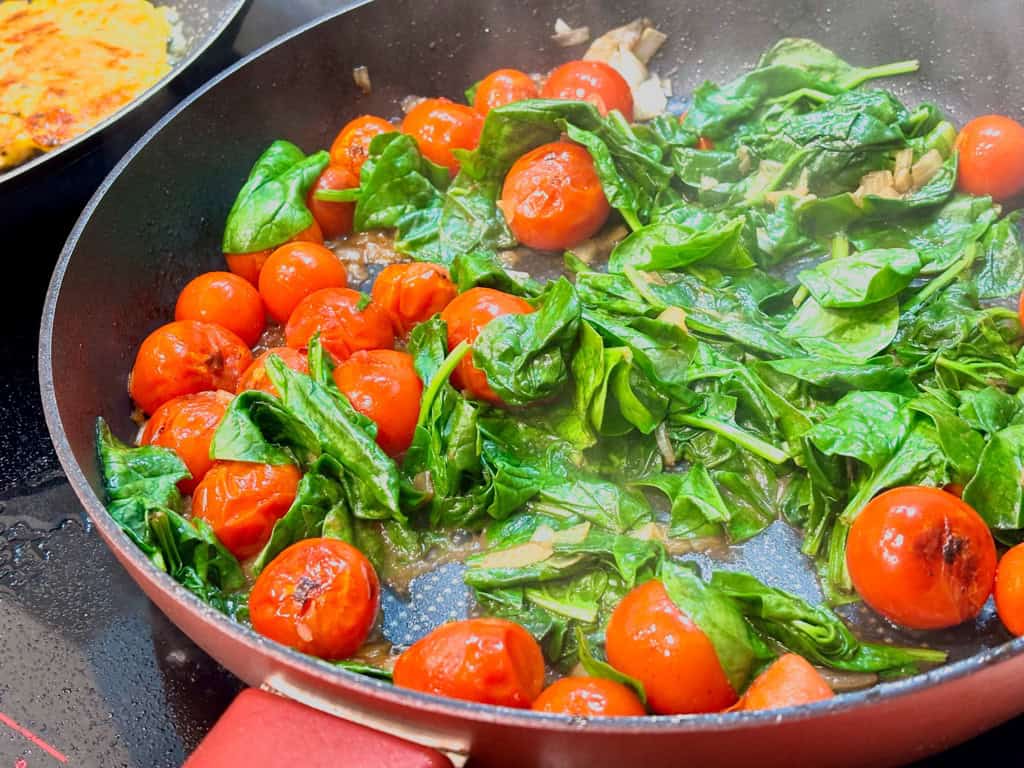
[
  {"x": 470, "y": 269},
  {"x": 666, "y": 245},
  {"x": 595, "y": 667},
  {"x": 878, "y": 374},
  {"x": 396, "y": 182},
  {"x": 698, "y": 509},
  {"x": 861, "y": 279},
  {"x": 603, "y": 503},
  {"x": 867, "y": 426},
  {"x": 989, "y": 409},
  {"x": 826, "y": 65},
  {"x": 1000, "y": 272},
  {"x": 995, "y": 490},
  {"x": 361, "y": 668},
  {"x": 258, "y": 428},
  {"x": 849, "y": 335}
]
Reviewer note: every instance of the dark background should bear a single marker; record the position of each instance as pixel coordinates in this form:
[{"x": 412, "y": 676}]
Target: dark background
[{"x": 87, "y": 664}]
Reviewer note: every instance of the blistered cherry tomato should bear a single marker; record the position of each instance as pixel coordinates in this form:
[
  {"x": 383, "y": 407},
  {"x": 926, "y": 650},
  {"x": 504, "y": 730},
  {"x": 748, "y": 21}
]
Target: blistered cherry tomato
[
  {"x": 293, "y": 272},
  {"x": 921, "y": 557},
  {"x": 465, "y": 316},
  {"x": 439, "y": 126},
  {"x": 185, "y": 357},
  {"x": 344, "y": 328},
  {"x": 651, "y": 639},
  {"x": 335, "y": 219},
  {"x": 592, "y": 81},
  {"x": 248, "y": 265},
  {"x": 1010, "y": 590},
  {"x": 319, "y": 596},
  {"x": 224, "y": 299},
  {"x": 241, "y": 501},
  {"x": 255, "y": 376},
  {"x": 789, "y": 682},
  {"x": 501, "y": 87},
  {"x": 382, "y": 385},
  {"x": 589, "y": 697},
  {"x": 351, "y": 146},
  {"x": 412, "y": 293},
  {"x": 186, "y": 425},
  {"x": 490, "y": 661},
  {"x": 552, "y": 197},
  {"x": 991, "y": 160}
]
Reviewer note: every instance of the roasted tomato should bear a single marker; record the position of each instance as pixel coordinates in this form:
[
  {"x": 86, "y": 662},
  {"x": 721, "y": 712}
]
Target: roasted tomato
[
  {"x": 248, "y": 265},
  {"x": 294, "y": 271},
  {"x": 501, "y": 87},
  {"x": 991, "y": 160},
  {"x": 255, "y": 376},
  {"x": 344, "y": 328},
  {"x": 335, "y": 219},
  {"x": 319, "y": 596},
  {"x": 1010, "y": 590},
  {"x": 439, "y": 126},
  {"x": 412, "y": 293},
  {"x": 921, "y": 557},
  {"x": 652, "y": 640},
  {"x": 186, "y": 425},
  {"x": 224, "y": 299},
  {"x": 592, "y": 81},
  {"x": 241, "y": 501},
  {"x": 185, "y": 357},
  {"x": 351, "y": 146},
  {"x": 552, "y": 197},
  {"x": 589, "y": 697},
  {"x": 382, "y": 385},
  {"x": 789, "y": 682},
  {"x": 490, "y": 661},
  {"x": 465, "y": 316}
]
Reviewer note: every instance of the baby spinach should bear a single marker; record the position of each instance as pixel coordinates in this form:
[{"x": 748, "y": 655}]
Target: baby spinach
[
  {"x": 596, "y": 667},
  {"x": 861, "y": 279},
  {"x": 1000, "y": 270},
  {"x": 995, "y": 490},
  {"x": 258, "y": 428},
  {"x": 666, "y": 245}
]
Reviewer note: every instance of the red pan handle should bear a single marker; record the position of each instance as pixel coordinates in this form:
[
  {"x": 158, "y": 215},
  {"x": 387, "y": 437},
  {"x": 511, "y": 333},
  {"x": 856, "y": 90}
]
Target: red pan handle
[{"x": 263, "y": 730}]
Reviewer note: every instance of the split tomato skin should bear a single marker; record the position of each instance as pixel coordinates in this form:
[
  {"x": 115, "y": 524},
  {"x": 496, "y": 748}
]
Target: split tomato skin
[
  {"x": 334, "y": 219},
  {"x": 319, "y": 596},
  {"x": 344, "y": 328},
  {"x": 185, "y": 357},
  {"x": 921, "y": 557},
  {"x": 351, "y": 146},
  {"x": 789, "y": 681},
  {"x": 224, "y": 299},
  {"x": 293, "y": 272},
  {"x": 589, "y": 697},
  {"x": 650, "y": 639},
  {"x": 991, "y": 157},
  {"x": 255, "y": 376},
  {"x": 501, "y": 87},
  {"x": 489, "y": 661},
  {"x": 1009, "y": 591},
  {"x": 413, "y": 293},
  {"x": 438, "y": 126},
  {"x": 249, "y": 265},
  {"x": 592, "y": 81}
]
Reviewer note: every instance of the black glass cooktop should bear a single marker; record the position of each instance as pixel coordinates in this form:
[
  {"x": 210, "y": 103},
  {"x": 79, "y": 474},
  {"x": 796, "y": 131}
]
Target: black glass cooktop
[{"x": 91, "y": 674}]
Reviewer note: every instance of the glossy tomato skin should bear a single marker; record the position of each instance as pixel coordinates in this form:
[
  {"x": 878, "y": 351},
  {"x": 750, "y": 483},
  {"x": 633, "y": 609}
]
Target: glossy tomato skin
[
  {"x": 186, "y": 425},
  {"x": 1009, "y": 590},
  {"x": 439, "y": 126},
  {"x": 490, "y": 661},
  {"x": 351, "y": 146},
  {"x": 334, "y": 219},
  {"x": 241, "y": 501},
  {"x": 589, "y": 697},
  {"x": 991, "y": 157},
  {"x": 343, "y": 327},
  {"x": 319, "y": 596},
  {"x": 255, "y": 376},
  {"x": 921, "y": 557},
  {"x": 185, "y": 357},
  {"x": 789, "y": 681},
  {"x": 552, "y": 197},
  {"x": 412, "y": 293},
  {"x": 224, "y": 299},
  {"x": 501, "y": 87},
  {"x": 293, "y": 272},
  {"x": 592, "y": 81},
  {"x": 465, "y": 316},
  {"x": 651, "y": 639},
  {"x": 249, "y": 265},
  {"x": 382, "y": 384}
]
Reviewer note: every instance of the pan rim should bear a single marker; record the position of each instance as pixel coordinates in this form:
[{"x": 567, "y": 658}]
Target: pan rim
[{"x": 351, "y": 682}]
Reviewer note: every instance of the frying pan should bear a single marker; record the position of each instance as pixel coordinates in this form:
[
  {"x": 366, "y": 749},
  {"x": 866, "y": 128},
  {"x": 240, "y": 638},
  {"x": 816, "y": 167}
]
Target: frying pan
[{"x": 157, "y": 221}]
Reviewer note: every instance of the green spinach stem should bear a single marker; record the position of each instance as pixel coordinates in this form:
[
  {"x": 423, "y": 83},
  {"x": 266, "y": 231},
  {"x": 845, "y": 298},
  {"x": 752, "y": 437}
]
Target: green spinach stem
[
  {"x": 947, "y": 277},
  {"x": 745, "y": 440},
  {"x": 439, "y": 378},
  {"x": 859, "y": 76}
]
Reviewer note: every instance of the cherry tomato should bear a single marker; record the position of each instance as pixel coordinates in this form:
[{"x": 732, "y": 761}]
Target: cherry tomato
[
  {"x": 185, "y": 357},
  {"x": 1010, "y": 590},
  {"x": 589, "y": 697},
  {"x": 294, "y": 271},
  {"x": 241, "y": 501},
  {"x": 501, "y": 87},
  {"x": 439, "y": 126},
  {"x": 789, "y": 682},
  {"x": 412, "y": 293},
  {"x": 921, "y": 557},
  {"x": 465, "y": 316},
  {"x": 224, "y": 299},
  {"x": 186, "y": 425},
  {"x": 1020, "y": 308},
  {"x": 651, "y": 639},
  {"x": 335, "y": 219},
  {"x": 351, "y": 146},
  {"x": 319, "y": 596},
  {"x": 991, "y": 160},
  {"x": 248, "y": 265},
  {"x": 552, "y": 197},
  {"x": 343, "y": 327},
  {"x": 383, "y": 385},
  {"x": 592, "y": 81},
  {"x": 490, "y": 661},
  {"x": 255, "y": 376}
]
